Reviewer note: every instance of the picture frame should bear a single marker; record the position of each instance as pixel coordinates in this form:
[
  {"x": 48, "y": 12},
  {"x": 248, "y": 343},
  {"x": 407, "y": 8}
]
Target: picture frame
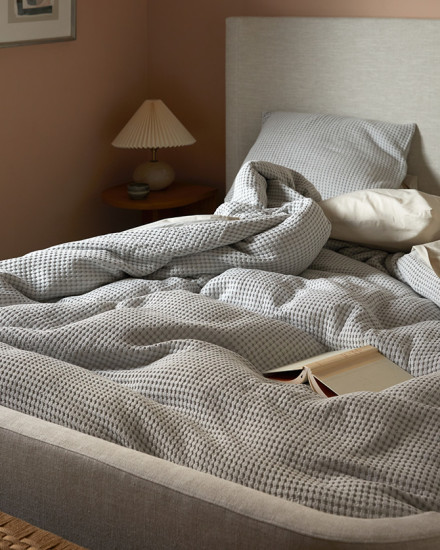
[{"x": 26, "y": 22}]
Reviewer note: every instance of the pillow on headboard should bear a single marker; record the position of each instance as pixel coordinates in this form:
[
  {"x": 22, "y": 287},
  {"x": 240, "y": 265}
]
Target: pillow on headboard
[{"x": 336, "y": 154}]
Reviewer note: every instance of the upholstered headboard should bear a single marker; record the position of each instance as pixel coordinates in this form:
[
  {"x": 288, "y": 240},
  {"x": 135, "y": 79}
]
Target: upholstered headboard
[{"x": 383, "y": 69}]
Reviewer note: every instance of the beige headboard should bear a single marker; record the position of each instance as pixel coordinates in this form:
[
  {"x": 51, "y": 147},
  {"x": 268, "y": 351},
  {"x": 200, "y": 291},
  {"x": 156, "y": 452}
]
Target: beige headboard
[{"x": 383, "y": 69}]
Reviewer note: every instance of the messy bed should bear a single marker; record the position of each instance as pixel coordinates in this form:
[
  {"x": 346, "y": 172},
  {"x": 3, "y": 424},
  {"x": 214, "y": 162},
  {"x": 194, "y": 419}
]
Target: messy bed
[{"x": 156, "y": 339}]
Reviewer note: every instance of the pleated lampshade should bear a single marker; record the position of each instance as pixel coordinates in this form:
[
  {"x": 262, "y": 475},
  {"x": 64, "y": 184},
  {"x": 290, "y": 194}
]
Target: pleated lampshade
[{"x": 153, "y": 126}]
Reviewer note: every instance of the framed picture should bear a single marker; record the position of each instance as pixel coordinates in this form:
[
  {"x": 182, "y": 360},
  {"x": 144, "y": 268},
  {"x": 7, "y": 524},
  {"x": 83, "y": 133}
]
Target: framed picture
[{"x": 24, "y": 22}]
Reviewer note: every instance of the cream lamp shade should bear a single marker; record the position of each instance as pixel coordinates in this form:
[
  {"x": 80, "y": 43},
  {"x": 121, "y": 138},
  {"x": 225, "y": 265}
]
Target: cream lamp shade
[{"x": 153, "y": 126}]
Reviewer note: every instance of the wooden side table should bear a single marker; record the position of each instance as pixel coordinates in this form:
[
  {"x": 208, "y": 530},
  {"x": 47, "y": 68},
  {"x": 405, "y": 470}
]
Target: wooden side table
[{"x": 161, "y": 204}]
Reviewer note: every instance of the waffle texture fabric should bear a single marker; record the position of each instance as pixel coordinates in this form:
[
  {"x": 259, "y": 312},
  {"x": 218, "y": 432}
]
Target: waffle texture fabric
[
  {"x": 337, "y": 154},
  {"x": 156, "y": 339}
]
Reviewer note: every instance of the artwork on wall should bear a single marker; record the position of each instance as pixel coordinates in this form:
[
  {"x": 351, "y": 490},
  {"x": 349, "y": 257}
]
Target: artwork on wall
[{"x": 24, "y": 22}]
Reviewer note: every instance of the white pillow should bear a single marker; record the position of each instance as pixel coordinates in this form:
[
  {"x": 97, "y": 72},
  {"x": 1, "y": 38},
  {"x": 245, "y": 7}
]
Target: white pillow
[
  {"x": 389, "y": 219},
  {"x": 336, "y": 154}
]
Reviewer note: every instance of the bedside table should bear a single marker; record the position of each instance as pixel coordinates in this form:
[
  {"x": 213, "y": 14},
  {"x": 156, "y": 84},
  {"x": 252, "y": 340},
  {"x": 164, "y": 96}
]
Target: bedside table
[{"x": 163, "y": 204}]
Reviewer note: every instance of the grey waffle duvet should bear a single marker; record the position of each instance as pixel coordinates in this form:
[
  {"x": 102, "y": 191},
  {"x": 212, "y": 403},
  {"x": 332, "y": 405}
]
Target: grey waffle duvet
[{"x": 156, "y": 338}]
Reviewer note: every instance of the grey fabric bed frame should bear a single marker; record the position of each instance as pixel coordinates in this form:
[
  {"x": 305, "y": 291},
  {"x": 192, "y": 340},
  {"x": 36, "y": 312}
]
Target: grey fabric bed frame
[{"x": 100, "y": 495}]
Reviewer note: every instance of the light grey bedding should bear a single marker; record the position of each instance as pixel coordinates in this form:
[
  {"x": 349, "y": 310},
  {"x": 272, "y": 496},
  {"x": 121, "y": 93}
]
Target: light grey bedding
[{"x": 156, "y": 339}]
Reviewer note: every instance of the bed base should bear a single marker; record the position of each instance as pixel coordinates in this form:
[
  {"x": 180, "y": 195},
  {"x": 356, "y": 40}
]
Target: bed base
[{"x": 100, "y": 495}]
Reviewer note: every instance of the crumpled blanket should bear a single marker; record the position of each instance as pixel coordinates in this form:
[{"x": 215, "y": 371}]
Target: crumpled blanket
[{"x": 156, "y": 338}]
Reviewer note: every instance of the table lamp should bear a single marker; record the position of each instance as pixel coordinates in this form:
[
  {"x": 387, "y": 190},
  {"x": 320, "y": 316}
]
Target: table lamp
[{"x": 153, "y": 126}]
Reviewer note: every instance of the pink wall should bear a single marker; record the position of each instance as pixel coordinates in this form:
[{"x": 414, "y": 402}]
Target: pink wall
[
  {"x": 186, "y": 63},
  {"x": 62, "y": 104}
]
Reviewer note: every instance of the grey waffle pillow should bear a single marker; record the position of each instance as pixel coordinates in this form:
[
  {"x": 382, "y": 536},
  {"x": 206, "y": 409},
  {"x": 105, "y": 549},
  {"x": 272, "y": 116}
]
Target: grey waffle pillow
[{"x": 336, "y": 154}]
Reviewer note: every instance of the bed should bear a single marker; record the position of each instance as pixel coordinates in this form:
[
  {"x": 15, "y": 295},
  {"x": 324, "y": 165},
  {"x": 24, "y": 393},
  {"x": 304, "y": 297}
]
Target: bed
[{"x": 133, "y": 409}]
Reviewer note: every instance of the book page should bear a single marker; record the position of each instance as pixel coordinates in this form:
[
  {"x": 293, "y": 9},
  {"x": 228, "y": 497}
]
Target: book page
[
  {"x": 374, "y": 376},
  {"x": 292, "y": 376},
  {"x": 298, "y": 365},
  {"x": 343, "y": 360}
]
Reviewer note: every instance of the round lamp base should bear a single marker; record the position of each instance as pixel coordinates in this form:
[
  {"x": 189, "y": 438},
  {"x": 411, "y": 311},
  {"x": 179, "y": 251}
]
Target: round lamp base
[{"x": 155, "y": 173}]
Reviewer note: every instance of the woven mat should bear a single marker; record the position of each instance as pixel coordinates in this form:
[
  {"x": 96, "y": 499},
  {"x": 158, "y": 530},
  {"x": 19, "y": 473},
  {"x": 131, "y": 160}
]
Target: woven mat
[{"x": 16, "y": 534}]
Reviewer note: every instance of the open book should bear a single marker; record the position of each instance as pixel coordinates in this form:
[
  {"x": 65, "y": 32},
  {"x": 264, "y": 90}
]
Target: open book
[{"x": 343, "y": 371}]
